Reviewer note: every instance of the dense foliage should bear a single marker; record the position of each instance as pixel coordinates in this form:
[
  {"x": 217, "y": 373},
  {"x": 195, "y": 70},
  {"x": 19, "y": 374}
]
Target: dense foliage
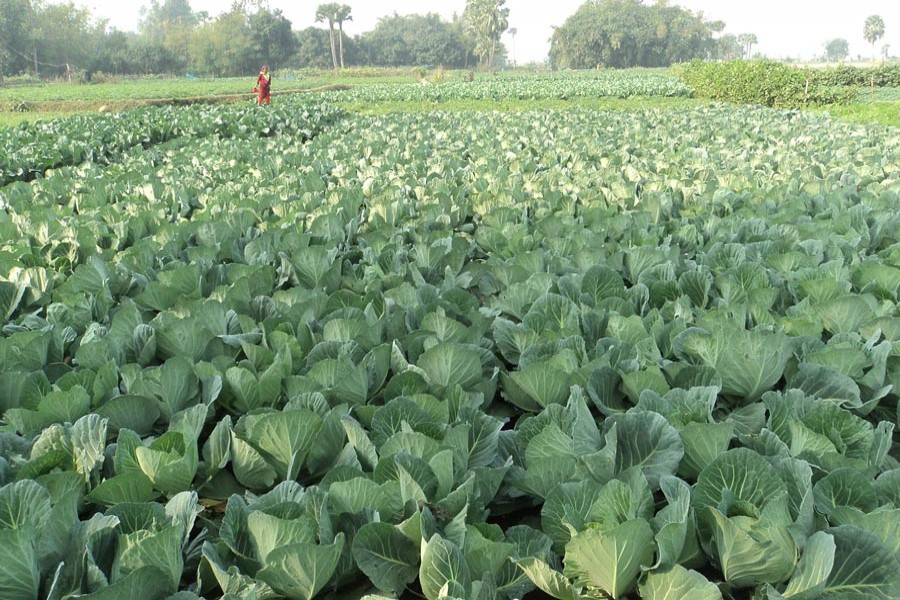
[
  {"x": 62, "y": 40},
  {"x": 846, "y": 75},
  {"x": 424, "y": 40},
  {"x": 764, "y": 82},
  {"x": 238, "y": 42},
  {"x": 465, "y": 354},
  {"x": 837, "y": 50},
  {"x": 628, "y": 33},
  {"x": 484, "y": 21}
]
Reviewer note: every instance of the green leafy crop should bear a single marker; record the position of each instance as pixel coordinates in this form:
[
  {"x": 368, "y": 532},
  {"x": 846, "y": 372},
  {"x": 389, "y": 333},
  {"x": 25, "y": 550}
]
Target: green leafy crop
[{"x": 481, "y": 356}]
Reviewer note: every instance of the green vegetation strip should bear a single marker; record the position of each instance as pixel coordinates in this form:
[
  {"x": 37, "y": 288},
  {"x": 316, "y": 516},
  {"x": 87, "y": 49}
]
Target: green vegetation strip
[
  {"x": 516, "y": 105},
  {"x": 142, "y": 89},
  {"x": 458, "y": 355},
  {"x": 885, "y": 113}
]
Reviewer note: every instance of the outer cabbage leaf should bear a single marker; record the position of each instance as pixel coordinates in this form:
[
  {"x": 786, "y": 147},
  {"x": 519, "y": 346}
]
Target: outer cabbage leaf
[
  {"x": 864, "y": 569},
  {"x": 299, "y": 571},
  {"x": 442, "y": 564},
  {"x": 386, "y": 556},
  {"x": 750, "y": 362},
  {"x": 753, "y": 551},
  {"x": 610, "y": 560},
  {"x": 549, "y": 581},
  {"x": 20, "y": 577},
  {"x": 678, "y": 583},
  {"x": 646, "y": 440}
]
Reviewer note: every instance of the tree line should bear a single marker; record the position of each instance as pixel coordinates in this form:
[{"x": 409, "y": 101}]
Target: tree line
[{"x": 45, "y": 39}]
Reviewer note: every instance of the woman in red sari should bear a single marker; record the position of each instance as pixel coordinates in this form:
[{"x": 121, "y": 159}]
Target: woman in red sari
[{"x": 262, "y": 86}]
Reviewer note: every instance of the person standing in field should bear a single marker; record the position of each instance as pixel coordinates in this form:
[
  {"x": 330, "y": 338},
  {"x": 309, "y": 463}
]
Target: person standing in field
[{"x": 263, "y": 83}]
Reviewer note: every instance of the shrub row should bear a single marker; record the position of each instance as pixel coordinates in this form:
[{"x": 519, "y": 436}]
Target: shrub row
[
  {"x": 882, "y": 76},
  {"x": 765, "y": 82}
]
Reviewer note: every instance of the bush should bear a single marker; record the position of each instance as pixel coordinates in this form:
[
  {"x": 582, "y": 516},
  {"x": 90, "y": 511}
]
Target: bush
[
  {"x": 883, "y": 76},
  {"x": 764, "y": 82}
]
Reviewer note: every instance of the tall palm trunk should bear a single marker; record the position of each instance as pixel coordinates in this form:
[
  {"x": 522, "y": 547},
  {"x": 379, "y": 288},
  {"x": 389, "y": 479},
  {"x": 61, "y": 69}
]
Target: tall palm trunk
[
  {"x": 334, "y": 60},
  {"x": 341, "y": 41}
]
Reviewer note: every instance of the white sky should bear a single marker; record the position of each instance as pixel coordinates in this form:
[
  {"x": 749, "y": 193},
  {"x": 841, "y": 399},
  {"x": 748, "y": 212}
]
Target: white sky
[{"x": 785, "y": 28}]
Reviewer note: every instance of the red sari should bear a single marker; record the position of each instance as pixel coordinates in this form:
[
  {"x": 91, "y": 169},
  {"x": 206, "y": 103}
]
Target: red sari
[{"x": 262, "y": 84}]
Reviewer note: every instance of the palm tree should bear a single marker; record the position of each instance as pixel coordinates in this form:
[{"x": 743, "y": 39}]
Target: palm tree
[
  {"x": 747, "y": 40},
  {"x": 342, "y": 14},
  {"x": 327, "y": 12},
  {"x": 485, "y": 21},
  {"x": 513, "y": 31},
  {"x": 873, "y": 31},
  {"x": 498, "y": 22}
]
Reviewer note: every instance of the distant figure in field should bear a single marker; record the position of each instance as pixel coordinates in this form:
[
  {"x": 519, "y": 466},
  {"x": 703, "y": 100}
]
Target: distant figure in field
[{"x": 262, "y": 86}]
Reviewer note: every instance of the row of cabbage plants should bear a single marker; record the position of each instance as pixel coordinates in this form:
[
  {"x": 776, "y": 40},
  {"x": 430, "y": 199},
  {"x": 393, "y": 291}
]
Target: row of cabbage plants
[
  {"x": 30, "y": 149},
  {"x": 526, "y": 86}
]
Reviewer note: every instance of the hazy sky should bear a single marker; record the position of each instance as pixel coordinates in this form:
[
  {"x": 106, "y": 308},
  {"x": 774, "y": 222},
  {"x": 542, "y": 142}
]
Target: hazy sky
[{"x": 785, "y": 28}]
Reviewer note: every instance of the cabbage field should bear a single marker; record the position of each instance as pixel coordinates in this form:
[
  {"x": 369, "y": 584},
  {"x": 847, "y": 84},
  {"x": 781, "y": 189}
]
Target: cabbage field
[
  {"x": 571, "y": 354},
  {"x": 563, "y": 86}
]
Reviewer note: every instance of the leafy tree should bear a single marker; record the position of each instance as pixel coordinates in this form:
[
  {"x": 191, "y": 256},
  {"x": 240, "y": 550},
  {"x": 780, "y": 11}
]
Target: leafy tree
[
  {"x": 628, "y": 33},
  {"x": 836, "y": 50},
  {"x": 170, "y": 24},
  {"x": 274, "y": 42},
  {"x": 146, "y": 57},
  {"x": 157, "y": 18},
  {"x": 728, "y": 47},
  {"x": 410, "y": 40},
  {"x": 747, "y": 40},
  {"x": 680, "y": 34},
  {"x": 312, "y": 48},
  {"x": 486, "y": 20},
  {"x": 13, "y": 36},
  {"x": 67, "y": 37},
  {"x": 873, "y": 31},
  {"x": 239, "y": 41},
  {"x": 115, "y": 53},
  {"x": 224, "y": 45}
]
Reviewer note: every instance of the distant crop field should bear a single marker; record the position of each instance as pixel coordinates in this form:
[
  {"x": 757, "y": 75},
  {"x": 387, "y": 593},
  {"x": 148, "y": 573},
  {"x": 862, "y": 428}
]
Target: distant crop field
[
  {"x": 535, "y": 86},
  {"x": 300, "y": 352},
  {"x": 161, "y": 88}
]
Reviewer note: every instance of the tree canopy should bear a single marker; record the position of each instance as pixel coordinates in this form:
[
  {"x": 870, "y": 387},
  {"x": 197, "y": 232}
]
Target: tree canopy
[
  {"x": 485, "y": 21},
  {"x": 836, "y": 49},
  {"x": 425, "y": 40},
  {"x": 873, "y": 30},
  {"x": 628, "y": 33}
]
